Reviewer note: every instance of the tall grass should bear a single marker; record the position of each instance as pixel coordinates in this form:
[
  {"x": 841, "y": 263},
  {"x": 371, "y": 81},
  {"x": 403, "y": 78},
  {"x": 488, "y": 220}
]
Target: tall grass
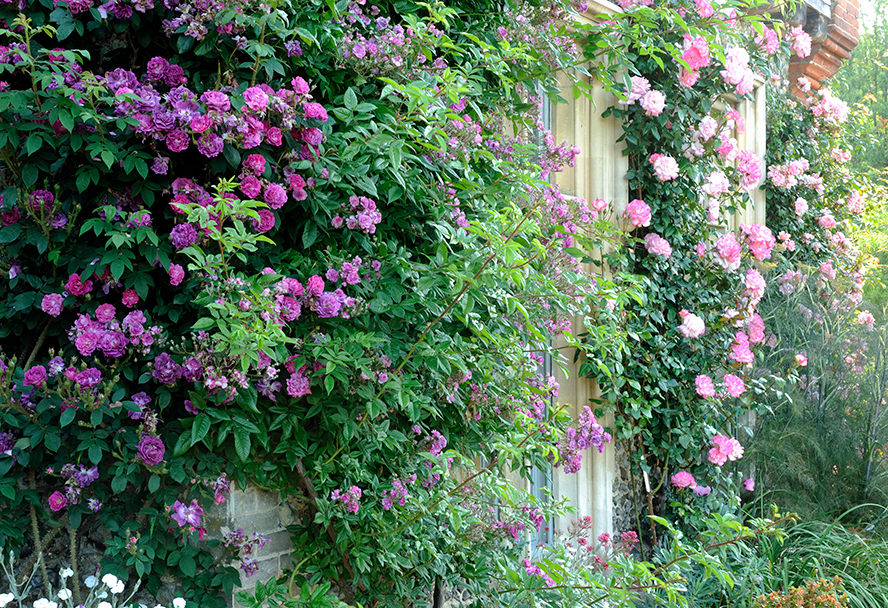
[{"x": 815, "y": 549}]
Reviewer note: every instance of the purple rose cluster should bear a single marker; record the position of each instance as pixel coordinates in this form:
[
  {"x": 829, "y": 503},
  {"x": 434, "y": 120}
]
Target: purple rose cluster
[
  {"x": 364, "y": 215},
  {"x": 245, "y": 547},
  {"x": 109, "y": 336},
  {"x": 168, "y": 111},
  {"x": 374, "y": 45},
  {"x": 167, "y": 371},
  {"x": 589, "y": 434},
  {"x": 77, "y": 478}
]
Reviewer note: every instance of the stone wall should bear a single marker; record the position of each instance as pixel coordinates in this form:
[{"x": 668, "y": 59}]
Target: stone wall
[{"x": 260, "y": 511}]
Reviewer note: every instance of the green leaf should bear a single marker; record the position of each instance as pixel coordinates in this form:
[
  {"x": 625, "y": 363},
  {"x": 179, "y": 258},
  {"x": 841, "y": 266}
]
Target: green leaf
[
  {"x": 188, "y": 566},
  {"x": 30, "y": 173},
  {"x": 200, "y": 428},
  {"x": 95, "y": 454},
  {"x": 67, "y": 417},
  {"x": 33, "y": 143},
  {"x": 242, "y": 443},
  {"x": 182, "y": 444},
  {"x": 310, "y": 235},
  {"x": 153, "y": 483},
  {"x": 10, "y": 233},
  {"x": 350, "y": 100},
  {"x": 118, "y": 484}
]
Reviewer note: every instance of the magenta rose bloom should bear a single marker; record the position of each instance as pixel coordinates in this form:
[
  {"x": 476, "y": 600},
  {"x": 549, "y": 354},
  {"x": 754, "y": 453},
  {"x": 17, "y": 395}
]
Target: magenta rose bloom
[
  {"x": 57, "y": 501},
  {"x": 178, "y": 140},
  {"x": 275, "y": 196},
  {"x": 52, "y": 304},
  {"x": 256, "y": 99},
  {"x": 36, "y": 375},
  {"x": 151, "y": 450}
]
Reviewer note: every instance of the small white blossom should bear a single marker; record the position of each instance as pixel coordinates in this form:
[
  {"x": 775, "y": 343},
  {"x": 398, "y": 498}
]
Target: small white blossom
[
  {"x": 103, "y": 605},
  {"x": 64, "y": 594},
  {"x": 66, "y": 573},
  {"x": 109, "y": 579},
  {"x": 117, "y": 588},
  {"x": 91, "y": 581},
  {"x": 179, "y": 602},
  {"x": 5, "y": 598}
]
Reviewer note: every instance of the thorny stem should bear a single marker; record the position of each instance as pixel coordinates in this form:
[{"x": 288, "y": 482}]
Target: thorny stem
[
  {"x": 72, "y": 532},
  {"x": 38, "y": 544},
  {"x": 40, "y": 340}
]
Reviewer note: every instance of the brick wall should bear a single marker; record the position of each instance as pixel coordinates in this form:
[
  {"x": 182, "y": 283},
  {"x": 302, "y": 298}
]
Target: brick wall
[{"x": 834, "y": 40}]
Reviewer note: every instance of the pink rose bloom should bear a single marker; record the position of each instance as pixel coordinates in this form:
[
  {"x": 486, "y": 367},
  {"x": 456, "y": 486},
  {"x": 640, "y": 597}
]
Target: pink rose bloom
[
  {"x": 801, "y": 360},
  {"x": 275, "y": 196},
  {"x": 865, "y": 317},
  {"x": 256, "y": 99},
  {"x": 728, "y": 150},
  {"x": 683, "y": 479},
  {"x": 717, "y": 183},
  {"x": 840, "y": 156},
  {"x": 801, "y": 206},
  {"x": 657, "y": 245},
  {"x": 639, "y": 213},
  {"x": 653, "y": 103},
  {"x": 801, "y": 41},
  {"x": 691, "y": 326},
  {"x": 177, "y": 273},
  {"x": 754, "y": 286},
  {"x": 255, "y": 164},
  {"x": 734, "y": 385},
  {"x": 826, "y": 221},
  {"x": 736, "y": 65},
  {"x": 57, "y": 501},
  {"x": 105, "y": 313},
  {"x": 705, "y": 386},
  {"x": 708, "y": 128},
  {"x": 769, "y": 42},
  {"x": 759, "y": 239},
  {"x": 251, "y": 186},
  {"x": 598, "y": 204},
  {"x": 265, "y": 222},
  {"x": 52, "y": 304},
  {"x": 687, "y": 78},
  {"x": 728, "y": 251},
  {"x": 740, "y": 351},
  {"x": 76, "y": 287},
  {"x": 704, "y": 9},
  {"x": 696, "y": 52},
  {"x": 700, "y": 249},
  {"x": 665, "y": 167},
  {"x": 756, "y": 328},
  {"x": 640, "y": 86},
  {"x": 201, "y": 123},
  {"x": 130, "y": 298},
  {"x": 724, "y": 449},
  {"x": 827, "y": 270}
]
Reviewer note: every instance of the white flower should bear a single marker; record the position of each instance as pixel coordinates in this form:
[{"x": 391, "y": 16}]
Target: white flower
[
  {"x": 179, "y": 602},
  {"x": 118, "y": 588},
  {"x": 66, "y": 573},
  {"x": 102, "y": 595},
  {"x": 5, "y": 598},
  {"x": 90, "y": 581},
  {"x": 45, "y": 603},
  {"x": 64, "y": 594},
  {"x": 103, "y": 605},
  {"x": 109, "y": 579}
]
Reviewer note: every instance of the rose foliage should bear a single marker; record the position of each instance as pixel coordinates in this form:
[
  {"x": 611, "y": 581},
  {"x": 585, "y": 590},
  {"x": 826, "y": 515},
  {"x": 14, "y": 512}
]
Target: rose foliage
[{"x": 318, "y": 246}]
